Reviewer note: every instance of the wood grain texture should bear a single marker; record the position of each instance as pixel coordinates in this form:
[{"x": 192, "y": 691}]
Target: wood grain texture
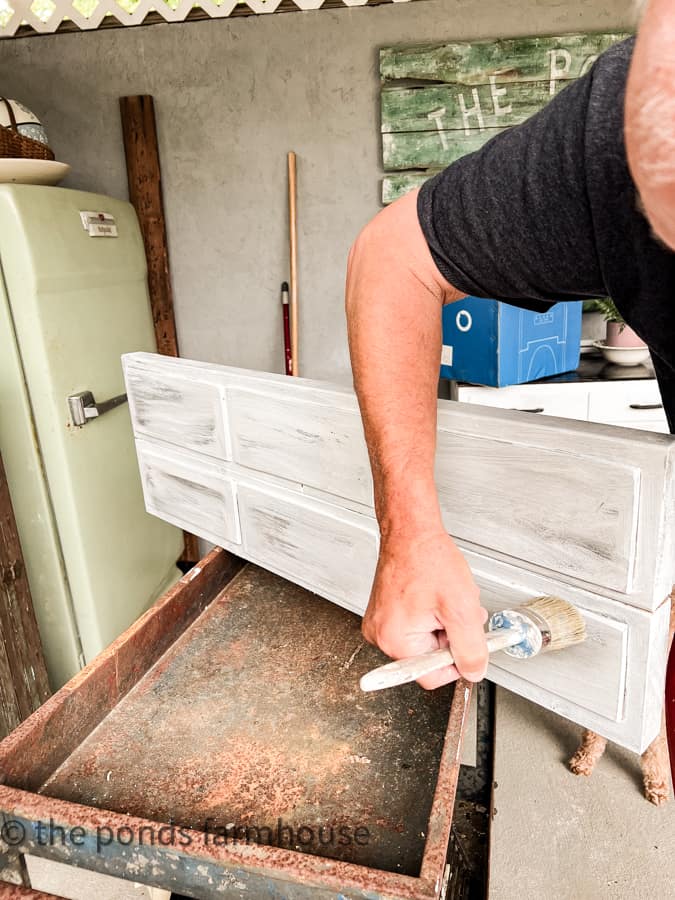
[
  {"x": 141, "y": 148},
  {"x": 538, "y": 506},
  {"x": 23, "y": 675},
  {"x": 179, "y": 410},
  {"x": 441, "y": 108},
  {"x": 330, "y": 550},
  {"x": 513, "y": 498},
  {"x": 318, "y": 445},
  {"x": 426, "y": 149},
  {"x": 508, "y": 59},
  {"x": 442, "y": 101},
  {"x": 396, "y": 185},
  {"x": 144, "y": 176},
  {"x": 181, "y": 491}
]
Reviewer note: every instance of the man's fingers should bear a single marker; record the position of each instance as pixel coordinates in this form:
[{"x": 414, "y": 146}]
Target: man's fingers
[
  {"x": 469, "y": 647},
  {"x": 438, "y": 679}
]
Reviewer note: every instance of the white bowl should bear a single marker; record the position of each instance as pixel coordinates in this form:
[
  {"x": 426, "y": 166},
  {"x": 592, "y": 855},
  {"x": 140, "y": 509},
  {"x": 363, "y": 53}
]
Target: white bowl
[
  {"x": 623, "y": 356},
  {"x": 32, "y": 171}
]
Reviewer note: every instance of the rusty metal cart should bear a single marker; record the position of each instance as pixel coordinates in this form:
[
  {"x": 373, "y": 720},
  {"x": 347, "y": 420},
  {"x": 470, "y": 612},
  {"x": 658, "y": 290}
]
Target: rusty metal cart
[{"x": 221, "y": 748}]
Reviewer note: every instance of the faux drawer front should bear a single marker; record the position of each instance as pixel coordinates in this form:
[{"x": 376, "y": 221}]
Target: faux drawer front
[
  {"x": 326, "y": 549},
  {"x": 191, "y": 494},
  {"x": 569, "y": 402},
  {"x": 513, "y": 498},
  {"x": 627, "y": 403},
  {"x": 179, "y": 410},
  {"x": 611, "y": 683},
  {"x": 321, "y": 446}
]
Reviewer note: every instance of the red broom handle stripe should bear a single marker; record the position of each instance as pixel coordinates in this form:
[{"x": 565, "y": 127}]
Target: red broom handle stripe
[{"x": 670, "y": 708}]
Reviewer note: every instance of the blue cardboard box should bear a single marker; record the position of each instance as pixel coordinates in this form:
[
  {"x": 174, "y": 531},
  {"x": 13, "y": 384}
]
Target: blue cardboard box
[{"x": 490, "y": 342}]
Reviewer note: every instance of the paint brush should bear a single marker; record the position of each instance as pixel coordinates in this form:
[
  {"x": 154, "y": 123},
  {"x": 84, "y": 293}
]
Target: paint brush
[{"x": 540, "y": 625}]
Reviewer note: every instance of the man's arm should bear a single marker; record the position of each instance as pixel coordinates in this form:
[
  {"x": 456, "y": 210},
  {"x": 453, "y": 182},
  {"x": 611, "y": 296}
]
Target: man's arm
[{"x": 423, "y": 595}]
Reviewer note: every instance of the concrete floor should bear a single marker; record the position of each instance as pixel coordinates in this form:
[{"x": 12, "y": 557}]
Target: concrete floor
[{"x": 557, "y": 836}]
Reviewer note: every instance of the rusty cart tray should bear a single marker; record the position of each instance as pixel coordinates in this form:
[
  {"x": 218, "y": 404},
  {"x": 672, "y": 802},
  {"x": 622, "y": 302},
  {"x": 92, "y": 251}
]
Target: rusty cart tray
[{"x": 221, "y": 747}]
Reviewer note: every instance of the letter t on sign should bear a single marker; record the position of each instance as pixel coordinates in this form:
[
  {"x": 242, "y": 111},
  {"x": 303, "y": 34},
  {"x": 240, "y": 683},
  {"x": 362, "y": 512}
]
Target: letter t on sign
[{"x": 437, "y": 117}]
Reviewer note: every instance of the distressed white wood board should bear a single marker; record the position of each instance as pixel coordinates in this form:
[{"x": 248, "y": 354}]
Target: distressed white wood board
[
  {"x": 326, "y": 548},
  {"x": 276, "y": 470},
  {"x": 612, "y": 683},
  {"x": 590, "y": 504}
]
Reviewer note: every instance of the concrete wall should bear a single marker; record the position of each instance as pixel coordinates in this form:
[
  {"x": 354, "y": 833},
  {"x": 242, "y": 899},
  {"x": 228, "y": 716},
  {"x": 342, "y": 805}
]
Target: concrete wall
[{"x": 232, "y": 98}]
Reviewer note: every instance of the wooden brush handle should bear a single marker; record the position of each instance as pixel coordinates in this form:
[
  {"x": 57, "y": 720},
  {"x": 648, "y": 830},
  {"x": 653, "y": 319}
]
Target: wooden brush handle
[{"x": 401, "y": 671}]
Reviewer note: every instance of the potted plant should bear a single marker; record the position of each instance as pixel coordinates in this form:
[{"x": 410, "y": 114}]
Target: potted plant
[{"x": 619, "y": 334}]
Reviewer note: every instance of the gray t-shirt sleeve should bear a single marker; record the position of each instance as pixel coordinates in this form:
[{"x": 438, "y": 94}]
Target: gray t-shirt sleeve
[{"x": 512, "y": 221}]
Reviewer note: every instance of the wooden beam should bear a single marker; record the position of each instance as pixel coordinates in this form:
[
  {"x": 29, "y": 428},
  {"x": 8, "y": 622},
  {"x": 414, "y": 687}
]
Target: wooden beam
[
  {"x": 145, "y": 193},
  {"x": 23, "y": 675},
  {"x": 144, "y": 174}
]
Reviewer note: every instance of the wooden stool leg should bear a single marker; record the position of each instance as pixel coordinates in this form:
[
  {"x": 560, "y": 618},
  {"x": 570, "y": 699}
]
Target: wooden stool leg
[{"x": 590, "y": 750}]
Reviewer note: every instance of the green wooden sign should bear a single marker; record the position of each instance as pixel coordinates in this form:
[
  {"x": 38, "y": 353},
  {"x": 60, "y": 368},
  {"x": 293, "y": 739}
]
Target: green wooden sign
[{"x": 442, "y": 101}]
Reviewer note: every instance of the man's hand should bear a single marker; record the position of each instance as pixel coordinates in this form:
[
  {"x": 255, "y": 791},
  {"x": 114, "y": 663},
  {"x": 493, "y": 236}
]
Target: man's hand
[{"x": 424, "y": 597}]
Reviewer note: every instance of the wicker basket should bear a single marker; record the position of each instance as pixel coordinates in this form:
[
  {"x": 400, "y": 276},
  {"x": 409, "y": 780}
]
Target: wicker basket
[{"x": 16, "y": 145}]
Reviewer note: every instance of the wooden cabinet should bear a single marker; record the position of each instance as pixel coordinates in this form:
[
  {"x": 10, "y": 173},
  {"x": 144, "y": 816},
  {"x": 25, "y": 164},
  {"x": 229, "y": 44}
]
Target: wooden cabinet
[{"x": 276, "y": 470}]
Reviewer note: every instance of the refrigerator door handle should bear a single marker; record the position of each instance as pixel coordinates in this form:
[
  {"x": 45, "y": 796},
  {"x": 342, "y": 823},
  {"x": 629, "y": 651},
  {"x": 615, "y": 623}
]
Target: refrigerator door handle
[{"x": 83, "y": 407}]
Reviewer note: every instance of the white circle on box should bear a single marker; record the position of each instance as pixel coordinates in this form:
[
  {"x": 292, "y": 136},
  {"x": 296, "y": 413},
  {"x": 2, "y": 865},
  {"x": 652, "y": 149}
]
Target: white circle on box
[{"x": 463, "y": 320}]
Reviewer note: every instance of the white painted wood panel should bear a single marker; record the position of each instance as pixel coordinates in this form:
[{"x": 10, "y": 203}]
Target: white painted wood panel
[
  {"x": 576, "y": 525},
  {"x": 190, "y": 493},
  {"x": 178, "y": 409},
  {"x": 527, "y": 503},
  {"x": 312, "y": 444},
  {"x": 537, "y": 505},
  {"x": 334, "y": 551},
  {"x": 613, "y": 683}
]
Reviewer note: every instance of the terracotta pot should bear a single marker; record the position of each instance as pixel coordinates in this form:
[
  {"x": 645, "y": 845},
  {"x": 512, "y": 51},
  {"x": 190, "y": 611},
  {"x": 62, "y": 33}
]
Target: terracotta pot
[{"x": 620, "y": 335}]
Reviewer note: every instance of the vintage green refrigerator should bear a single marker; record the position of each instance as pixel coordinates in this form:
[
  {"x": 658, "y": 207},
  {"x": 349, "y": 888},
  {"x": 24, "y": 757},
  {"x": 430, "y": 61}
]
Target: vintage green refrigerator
[{"x": 73, "y": 299}]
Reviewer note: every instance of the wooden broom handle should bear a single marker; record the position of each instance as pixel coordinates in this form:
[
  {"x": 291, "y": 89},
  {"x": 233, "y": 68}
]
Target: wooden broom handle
[{"x": 293, "y": 246}]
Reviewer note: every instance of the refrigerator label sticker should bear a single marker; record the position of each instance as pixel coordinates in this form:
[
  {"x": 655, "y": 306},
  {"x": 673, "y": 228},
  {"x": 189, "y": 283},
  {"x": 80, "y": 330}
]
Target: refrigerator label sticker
[{"x": 98, "y": 224}]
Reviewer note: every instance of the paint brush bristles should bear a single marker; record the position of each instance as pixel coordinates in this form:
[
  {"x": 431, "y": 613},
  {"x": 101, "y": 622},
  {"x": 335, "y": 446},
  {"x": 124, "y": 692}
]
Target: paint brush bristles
[
  {"x": 564, "y": 622},
  {"x": 538, "y": 626}
]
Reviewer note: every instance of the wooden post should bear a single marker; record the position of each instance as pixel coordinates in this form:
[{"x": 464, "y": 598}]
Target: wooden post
[
  {"x": 141, "y": 148},
  {"x": 23, "y": 674}
]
